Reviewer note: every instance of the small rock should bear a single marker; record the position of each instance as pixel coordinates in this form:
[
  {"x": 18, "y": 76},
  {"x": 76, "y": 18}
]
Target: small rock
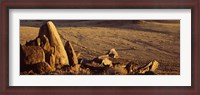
[
  {"x": 131, "y": 68},
  {"x": 152, "y": 66},
  {"x": 43, "y": 67},
  {"x": 75, "y": 69},
  {"x": 113, "y": 53},
  {"x": 107, "y": 62},
  {"x": 104, "y": 59}
]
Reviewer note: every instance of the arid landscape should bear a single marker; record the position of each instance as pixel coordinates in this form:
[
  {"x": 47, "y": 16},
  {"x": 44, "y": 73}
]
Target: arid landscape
[{"x": 136, "y": 41}]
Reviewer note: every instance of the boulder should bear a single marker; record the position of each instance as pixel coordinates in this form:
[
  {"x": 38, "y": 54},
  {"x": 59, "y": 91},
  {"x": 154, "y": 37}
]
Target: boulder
[
  {"x": 104, "y": 59},
  {"x": 50, "y": 31},
  {"x": 107, "y": 62},
  {"x": 31, "y": 54},
  {"x": 42, "y": 67},
  {"x": 112, "y": 53},
  {"x": 152, "y": 66},
  {"x": 100, "y": 58},
  {"x": 73, "y": 60},
  {"x": 132, "y": 68}
]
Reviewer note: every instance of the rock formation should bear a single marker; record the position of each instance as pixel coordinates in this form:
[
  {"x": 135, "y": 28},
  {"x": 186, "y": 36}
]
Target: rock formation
[
  {"x": 50, "y": 31},
  {"x": 42, "y": 67},
  {"x": 46, "y": 54},
  {"x": 31, "y": 54},
  {"x": 73, "y": 60},
  {"x": 72, "y": 57}
]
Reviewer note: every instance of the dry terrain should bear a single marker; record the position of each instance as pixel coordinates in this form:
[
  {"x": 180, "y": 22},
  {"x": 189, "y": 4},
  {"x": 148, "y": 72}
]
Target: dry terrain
[{"x": 136, "y": 41}]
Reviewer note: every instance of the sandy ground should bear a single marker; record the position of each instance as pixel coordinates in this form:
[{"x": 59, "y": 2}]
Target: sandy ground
[{"x": 137, "y": 41}]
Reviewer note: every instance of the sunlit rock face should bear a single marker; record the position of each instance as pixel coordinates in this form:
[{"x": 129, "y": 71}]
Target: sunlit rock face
[{"x": 49, "y": 30}]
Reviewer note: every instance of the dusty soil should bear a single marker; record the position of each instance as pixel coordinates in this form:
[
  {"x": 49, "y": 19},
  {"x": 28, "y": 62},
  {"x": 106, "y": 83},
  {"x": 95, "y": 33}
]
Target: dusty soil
[{"x": 136, "y": 41}]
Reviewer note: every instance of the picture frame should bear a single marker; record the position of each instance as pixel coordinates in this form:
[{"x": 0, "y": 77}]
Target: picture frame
[{"x": 103, "y": 4}]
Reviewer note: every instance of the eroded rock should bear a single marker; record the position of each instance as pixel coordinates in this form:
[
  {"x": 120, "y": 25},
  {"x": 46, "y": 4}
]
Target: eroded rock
[
  {"x": 42, "y": 67},
  {"x": 73, "y": 60},
  {"x": 104, "y": 59},
  {"x": 131, "y": 68},
  {"x": 50, "y": 31},
  {"x": 112, "y": 53},
  {"x": 52, "y": 61},
  {"x": 31, "y": 54},
  {"x": 45, "y": 44},
  {"x": 150, "y": 67}
]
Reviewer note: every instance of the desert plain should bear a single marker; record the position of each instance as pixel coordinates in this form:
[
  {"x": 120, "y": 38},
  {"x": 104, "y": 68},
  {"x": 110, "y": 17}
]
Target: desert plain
[{"x": 138, "y": 41}]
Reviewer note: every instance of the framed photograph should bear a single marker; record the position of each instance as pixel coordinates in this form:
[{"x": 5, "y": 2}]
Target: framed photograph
[{"x": 100, "y": 47}]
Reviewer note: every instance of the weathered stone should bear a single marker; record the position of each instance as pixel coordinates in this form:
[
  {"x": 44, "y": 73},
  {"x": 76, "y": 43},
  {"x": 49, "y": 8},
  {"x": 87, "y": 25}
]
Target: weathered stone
[
  {"x": 43, "y": 67},
  {"x": 113, "y": 53},
  {"x": 46, "y": 45},
  {"x": 38, "y": 41},
  {"x": 117, "y": 69},
  {"x": 152, "y": 66},
  {"x": 75, "y": 69},
  {"x": 107, "y": 62},
  {"x": 50, "y": 31},
  {"x": 73, "y": 60},
  {"x": 104, "y": 59},
  {"x": 52, "y": 61},
  {"x": 34, "y": 42},
  {"x": 78, "y": 54},
  {"x": 132, "y": 68},
  {"x": 100, "y": 58},
  {"x": 32, "y": 54}
]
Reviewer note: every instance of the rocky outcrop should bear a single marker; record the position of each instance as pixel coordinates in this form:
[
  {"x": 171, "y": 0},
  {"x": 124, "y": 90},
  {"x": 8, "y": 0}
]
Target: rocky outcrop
[
  {"x": 42, "y": 67},
  {"x": 31, "y": 54},
  {"x": 50, "y": 31},
  {"x": 73, "y": 60},
  {"x": 46, "y": 54},
  {"x": 72, "y": 57}
]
